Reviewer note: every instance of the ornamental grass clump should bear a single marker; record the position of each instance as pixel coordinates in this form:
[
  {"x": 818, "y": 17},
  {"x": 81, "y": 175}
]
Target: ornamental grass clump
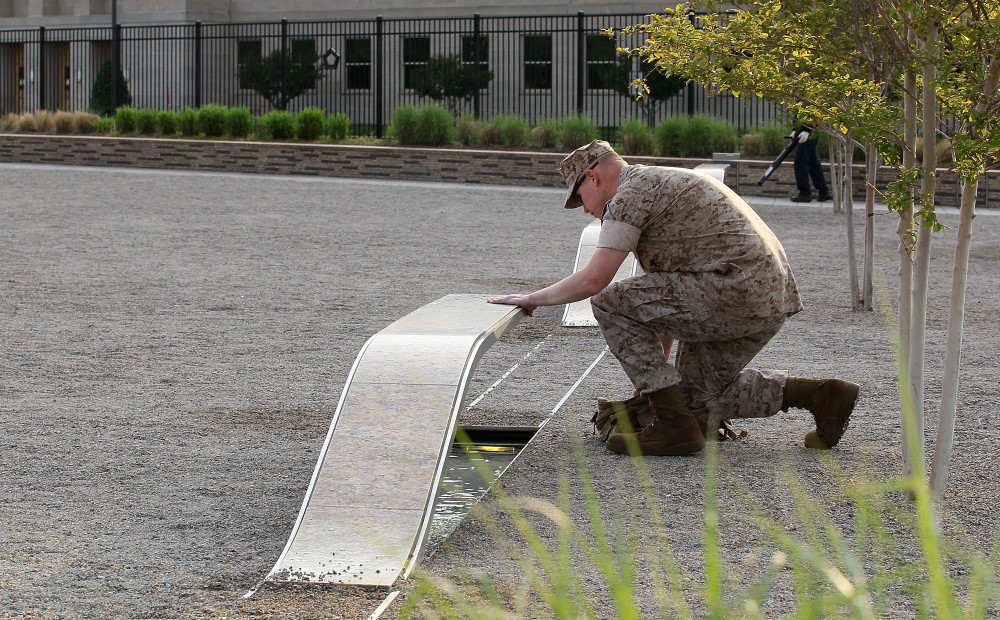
[
  {"x": 309, "y": 124},
  {"x": 26, "y": 123},
  {"x": 166, "y": 122},
  {"x": 467, "y": 130},
  {"x": 211, "y": 121},
  {"x": 278, "y": 125},
  {"x": 63, "y": 122},
  {"x": 239, "y": 122},
  {"x": 435, "y": 126},
  {"x": 125, "y": 120},
  {"x": 187, "y": 122},
  {"x": 146, "y": 122},
  {"x": 637, "y": 138},
  {"x": 545, "y": 134},
  {"x": 338, "y": 127},
  {"x": 44, "y": 121},
  {"x": 514, "y": 132},
  {"x": 577, "y": 131}
]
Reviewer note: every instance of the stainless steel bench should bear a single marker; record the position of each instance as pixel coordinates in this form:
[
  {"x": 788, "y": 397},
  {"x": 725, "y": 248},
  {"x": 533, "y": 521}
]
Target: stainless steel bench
[{"x": 366, "y": 511}]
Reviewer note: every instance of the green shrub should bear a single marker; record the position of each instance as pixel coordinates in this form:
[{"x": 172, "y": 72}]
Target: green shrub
[
  {"x": 187, "y": 122},
  {"x": 545, "y": 134},
  {"x": 637, "y": 138},
  {"x": 211, "y": 120},
  {"x": 577, "y": 131},
  {"x": 145, "y": 122},
  {"x": 338, "y": 127},
  {"x": 467, "y": 129},
  {"x": 435, "y": 126},
  {"x": 239, "y": 122},
  {"x": 167, "y": 122},
  {"x": 86, "y": 123},
  {"x": 403, "y": 128},
  {"x": 429, "y": 125},
  {"x": 100, "y": 92},
  {"x": 669, "y": 135},
  {"x": 309, "y": 124},
  {"x": 278, "y": 125},
  {"x": 514, "y": 132},
  {"x": 125, "y": 120}
]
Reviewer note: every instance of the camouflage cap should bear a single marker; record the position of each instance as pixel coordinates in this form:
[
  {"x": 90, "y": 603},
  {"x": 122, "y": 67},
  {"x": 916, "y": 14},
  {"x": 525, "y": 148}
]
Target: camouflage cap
[{"x": 579, "y": 161}]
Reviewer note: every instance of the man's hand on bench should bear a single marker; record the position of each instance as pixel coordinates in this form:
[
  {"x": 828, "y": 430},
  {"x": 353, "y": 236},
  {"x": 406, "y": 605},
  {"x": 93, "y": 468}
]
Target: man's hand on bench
[{"x": 515, "y": 300}]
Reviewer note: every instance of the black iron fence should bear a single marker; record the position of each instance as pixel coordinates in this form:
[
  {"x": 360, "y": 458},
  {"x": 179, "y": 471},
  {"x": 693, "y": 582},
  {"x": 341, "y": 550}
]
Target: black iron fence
[{"x": 532, "y": 67}]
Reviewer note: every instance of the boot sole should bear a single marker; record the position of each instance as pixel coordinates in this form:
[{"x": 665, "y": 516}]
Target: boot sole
[
  {"x": 684, "y": 449},
  {"x": 813, "y": 439}
]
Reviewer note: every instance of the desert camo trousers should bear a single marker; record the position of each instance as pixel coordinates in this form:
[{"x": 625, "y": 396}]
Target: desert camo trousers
[{"x": 713, "y": 347}]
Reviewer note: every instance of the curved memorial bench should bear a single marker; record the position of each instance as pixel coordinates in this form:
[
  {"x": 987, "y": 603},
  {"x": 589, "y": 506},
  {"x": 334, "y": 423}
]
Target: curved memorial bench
[{"x": 367, "y": 509}]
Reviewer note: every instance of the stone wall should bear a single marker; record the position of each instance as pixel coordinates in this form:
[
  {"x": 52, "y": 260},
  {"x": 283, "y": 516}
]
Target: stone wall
[{"x": 502, "y": 167}]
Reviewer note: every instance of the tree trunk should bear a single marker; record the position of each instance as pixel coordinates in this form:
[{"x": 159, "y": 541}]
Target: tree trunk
[
  {"x": 852, "y": 259},
  {"x": 953, "y": 352},
  {"x": 904, "y": 230},
  {"x": 921, "y": 271},
  {"x": 836, "y": 175},
  {"x": 871, "y": 172}
]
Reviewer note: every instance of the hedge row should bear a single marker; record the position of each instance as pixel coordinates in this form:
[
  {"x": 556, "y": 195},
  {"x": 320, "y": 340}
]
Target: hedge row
[{"x": 432, "y": 125}]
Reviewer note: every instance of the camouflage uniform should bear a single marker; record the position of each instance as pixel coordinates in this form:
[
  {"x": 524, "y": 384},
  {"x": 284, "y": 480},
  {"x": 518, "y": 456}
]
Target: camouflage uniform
[{"x": 716, "y": 280}]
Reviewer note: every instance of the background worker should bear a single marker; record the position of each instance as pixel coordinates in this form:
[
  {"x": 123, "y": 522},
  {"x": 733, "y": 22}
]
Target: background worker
[
  {"x": 807, "y": 166},
  {"x": 716, "y": 280}
]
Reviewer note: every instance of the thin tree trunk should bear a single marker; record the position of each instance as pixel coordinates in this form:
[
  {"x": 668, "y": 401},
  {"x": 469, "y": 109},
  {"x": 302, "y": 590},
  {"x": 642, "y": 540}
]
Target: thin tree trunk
[
  {"x": 836, "y": 175},
  {"x": 851, "y": 245},
  {"x": 921, "y": 271},
  {"x": 956, "y": 314},
  {"x": 871, "y": 172},
  {"x": 904, "y": 230},
  {"x": 953, "y": 352}
]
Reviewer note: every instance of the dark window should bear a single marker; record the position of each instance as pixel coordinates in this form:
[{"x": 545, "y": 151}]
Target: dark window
[
  {"x": 538, "y": 61},
  {"x": 469, "y": 50},
  {"x": 247, "y": 52},
  {"x": 602, "y": 63},
  {"x": 358, "y": 63},
  {"x": 416, "y": 53},
  {"x": 304, "y": 58}
]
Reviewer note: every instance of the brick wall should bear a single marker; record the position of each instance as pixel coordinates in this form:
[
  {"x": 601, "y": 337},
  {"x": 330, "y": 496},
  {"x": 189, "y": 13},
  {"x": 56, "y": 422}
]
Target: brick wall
[{"x": 532, "y": 169}]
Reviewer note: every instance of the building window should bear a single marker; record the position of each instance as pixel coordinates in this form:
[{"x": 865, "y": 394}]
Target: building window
[
  {"x": 358, "y": 63},
  {"x": 469, "y": 57},
  {"x": 602, "y": 63},
  {"x": 416, "y": 54},
  {"x": 303, "y": 62},
  {"x": 538, "y": 62},
  {"x": 248, "y": 55}
]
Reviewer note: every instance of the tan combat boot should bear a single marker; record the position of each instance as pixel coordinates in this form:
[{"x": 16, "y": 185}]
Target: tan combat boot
[
  {"x": 672, "y": 432},
  {"x": 831, "y": 402}
]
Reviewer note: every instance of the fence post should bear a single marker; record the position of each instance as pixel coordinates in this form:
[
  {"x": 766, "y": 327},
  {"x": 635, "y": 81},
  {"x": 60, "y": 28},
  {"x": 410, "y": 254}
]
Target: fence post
[
  {"x": 41, "y": 68},
  {"x": 379, "y": 94},
  {"x": 476, "y": 33},
  {"x": 284, "y": 64},
  {"x": 581, "y": 54},
  {"x": 197, "y": 64}
]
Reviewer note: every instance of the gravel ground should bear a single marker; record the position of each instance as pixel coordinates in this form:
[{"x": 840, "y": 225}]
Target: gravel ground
[{"x": 174, "y": 346}]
